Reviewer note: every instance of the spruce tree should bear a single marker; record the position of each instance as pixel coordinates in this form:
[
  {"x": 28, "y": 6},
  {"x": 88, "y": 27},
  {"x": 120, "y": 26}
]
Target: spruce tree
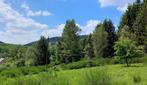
[
  {"x": 111, "y": 37},
  {"x": 42, "y": 54},
  {"x": 140, "y": 27},
  {"x": 103, "y": 39},
  {"x": 130, "y": 16}
]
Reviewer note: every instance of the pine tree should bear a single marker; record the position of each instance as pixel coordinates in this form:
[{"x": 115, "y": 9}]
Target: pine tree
[
  {"x": 140, "y": 28},
  {"x": 42, "y": 54},
  {"x": 130, "y": 16},
  {"x": 104, "y": 37},
  {"x": 111, "y": 37}
]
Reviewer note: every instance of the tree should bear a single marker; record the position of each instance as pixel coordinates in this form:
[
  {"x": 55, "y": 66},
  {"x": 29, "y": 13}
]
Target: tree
[
  {"x": 88, "y": 50},
  {"x": 111, "y": 37},
  {"x": 140, "y": 28},
  {"x": 70, "y": 42},
  {"x": 130, "y": 16},
  {"x": 103, "y": 39},
  {"x": 140, "y": 31},
  {"x": 126, "y": 49},
  {"x": 99, "y": 41},
  {"x": 42, "y": 54},
  {"x": 59, "y": 53}
]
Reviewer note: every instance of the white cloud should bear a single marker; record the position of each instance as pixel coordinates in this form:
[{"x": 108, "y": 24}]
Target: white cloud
[
  {"x": 58, "y": 30},
  {"x": 17, "y": 28},
  {"x": 54, "y": 32},
  {"x": 89, "y": 27},
  {"x": 31, "y": 13},
  {"x": 120, "y": 4}
]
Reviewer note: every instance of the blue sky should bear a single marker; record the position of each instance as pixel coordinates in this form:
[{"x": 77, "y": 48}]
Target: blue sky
[{"x": 24, "y": 21}]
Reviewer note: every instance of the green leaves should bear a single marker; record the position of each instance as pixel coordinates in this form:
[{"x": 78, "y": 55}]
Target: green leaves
[
  {"x": 103, "y": 39},
  {"x": 126, "y": 49},
  {"x": 68, "y": 47}
]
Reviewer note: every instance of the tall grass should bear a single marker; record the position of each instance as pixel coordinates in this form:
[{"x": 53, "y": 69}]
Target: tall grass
[
  {"x": 75, "y": 77},
  {"x": 95, "y": 77}
]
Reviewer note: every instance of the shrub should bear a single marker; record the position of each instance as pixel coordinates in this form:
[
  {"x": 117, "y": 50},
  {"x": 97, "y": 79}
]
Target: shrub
[
  {"x": 20, "y": 63},
  {"x": 81, "y": 64},
  {"x": 21, "y": 71},
  {"x": 11, "y": 73},
  {"x": 136, "y": 79}
]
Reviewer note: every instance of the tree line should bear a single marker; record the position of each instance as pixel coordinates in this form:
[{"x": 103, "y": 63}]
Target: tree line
[
  {"x": 126, "y": 43},
  {"x": 105, "y": 42}
]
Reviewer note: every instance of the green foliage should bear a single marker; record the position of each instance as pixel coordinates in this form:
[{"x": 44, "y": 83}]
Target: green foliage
[
  {"x": 136, "y": 79},
  {"x": 69, "y": 43},
  {"x": 20, "y": 63},
  {"x": 103, "y": 39},
  {"x": 10, "y": 73},
  {"x": 42, "y": 54},
  {"x": 126, "y": 49},
  {"x": 135, "y": 18},
  {"x": 81, "y": 64},
  {"x": 88, "y": 50},
  {"x": 130, "y": 16},
  {"x": 77, "y": 77},
  {"x": 22, "y": 71},
  {"x": 99, "y": 41},
  {"x": 140, "y": 27}
]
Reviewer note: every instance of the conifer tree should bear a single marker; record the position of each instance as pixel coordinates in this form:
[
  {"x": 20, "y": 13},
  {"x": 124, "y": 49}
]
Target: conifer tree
[
  {"x": 103, "y": 39},
  {"x": 130, "y": 16},
  {"x": 42, "y": 54},
  {"x": 100, "y": 41},
  {"x": 88, "y": 50},
  {"x": 111, "y": 37},
  {"x": 70, "y": 42}
]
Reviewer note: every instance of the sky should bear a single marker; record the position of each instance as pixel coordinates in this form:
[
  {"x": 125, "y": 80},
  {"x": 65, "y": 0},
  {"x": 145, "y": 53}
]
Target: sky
[{"x": 24, "y": 21}]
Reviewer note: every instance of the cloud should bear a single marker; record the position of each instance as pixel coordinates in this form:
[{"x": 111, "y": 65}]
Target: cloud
[
  {"x": 17, "y": 28},
  {"x": 31, "y": 13},
  {"x": 54, "y": 32},
  {"x": 85, "y": 30},
  {"x": 120, "y": 4},
  {"x": 89, "y": 27}
]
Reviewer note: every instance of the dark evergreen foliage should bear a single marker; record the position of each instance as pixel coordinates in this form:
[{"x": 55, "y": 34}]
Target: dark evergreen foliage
[{"x": 42, "y": 54}]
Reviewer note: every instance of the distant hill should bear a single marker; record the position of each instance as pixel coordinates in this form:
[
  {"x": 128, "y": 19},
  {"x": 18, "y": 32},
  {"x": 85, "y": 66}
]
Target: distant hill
[
  {"x": 1, "y": 42},
  {"x": 54, "y": 40}
]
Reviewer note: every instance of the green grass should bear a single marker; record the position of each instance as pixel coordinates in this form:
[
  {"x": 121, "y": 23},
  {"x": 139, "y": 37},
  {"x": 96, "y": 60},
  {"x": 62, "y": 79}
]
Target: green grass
[{"x": 103, "y": 75}]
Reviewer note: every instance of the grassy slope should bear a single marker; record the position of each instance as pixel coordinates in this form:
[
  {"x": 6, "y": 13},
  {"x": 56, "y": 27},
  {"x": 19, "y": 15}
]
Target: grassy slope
[{"x": 118, "y": 74}]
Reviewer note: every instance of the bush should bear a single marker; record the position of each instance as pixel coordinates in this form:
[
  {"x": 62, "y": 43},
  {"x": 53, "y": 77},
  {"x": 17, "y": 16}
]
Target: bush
[
  {"x": 136, "y": 79},
  {"x": 11, "y": 73},
  {"x": 81, "y": 64},
  {"x": 20, "y": 63},
  {"x": 16, "y": 72}
]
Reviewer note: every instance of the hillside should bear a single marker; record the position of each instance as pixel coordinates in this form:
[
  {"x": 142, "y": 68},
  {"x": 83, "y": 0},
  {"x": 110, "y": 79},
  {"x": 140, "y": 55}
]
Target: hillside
[
  {"x": 54, "y": 40},
  {"x": 1, "y": 42}
]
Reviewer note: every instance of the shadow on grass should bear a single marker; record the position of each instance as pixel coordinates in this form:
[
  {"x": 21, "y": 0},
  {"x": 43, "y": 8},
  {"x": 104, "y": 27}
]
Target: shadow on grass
[{"x": 135, "y": 66}]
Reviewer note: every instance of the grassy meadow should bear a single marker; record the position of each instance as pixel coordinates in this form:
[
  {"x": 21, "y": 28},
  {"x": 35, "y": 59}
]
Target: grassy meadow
[{"x": 103, "y": 75}]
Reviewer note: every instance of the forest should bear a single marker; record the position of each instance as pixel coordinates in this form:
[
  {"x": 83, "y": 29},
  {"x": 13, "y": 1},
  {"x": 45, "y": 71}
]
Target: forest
[{"x": 108, "y": 56}]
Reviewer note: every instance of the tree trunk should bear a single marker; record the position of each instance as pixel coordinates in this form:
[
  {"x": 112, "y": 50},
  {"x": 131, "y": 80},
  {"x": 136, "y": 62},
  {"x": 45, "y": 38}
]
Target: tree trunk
[{"x": 126, "y": 59}]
